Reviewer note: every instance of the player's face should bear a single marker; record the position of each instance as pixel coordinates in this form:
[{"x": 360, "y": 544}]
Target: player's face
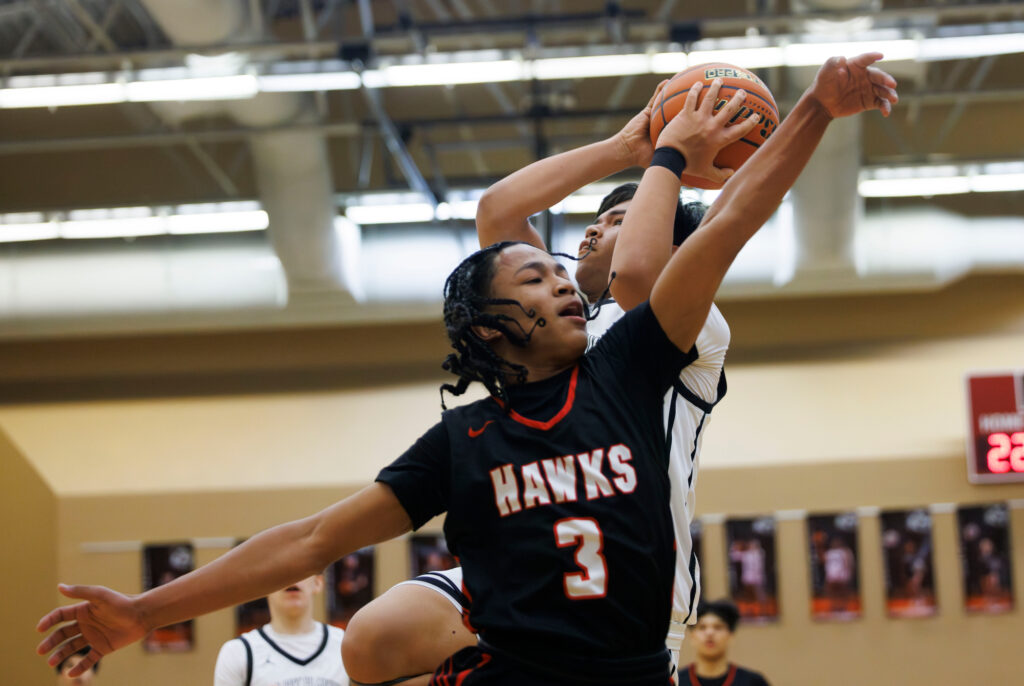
[
  {"x": 540, "y": 284},
  {"x": 598, "y": 244},
  {"x": 82, "y": 679},
  {"x": 711, "y": 636},
  {"x": 297, "y": 599}
]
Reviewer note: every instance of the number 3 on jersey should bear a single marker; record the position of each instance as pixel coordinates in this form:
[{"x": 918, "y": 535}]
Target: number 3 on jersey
[{"x": 585, "y": 534}]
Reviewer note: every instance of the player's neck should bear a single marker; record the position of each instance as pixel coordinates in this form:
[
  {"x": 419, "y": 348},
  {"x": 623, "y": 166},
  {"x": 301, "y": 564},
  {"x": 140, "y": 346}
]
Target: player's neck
[
  {"x": 712, "y": 668},
  {"x": 302, "y": 624}
]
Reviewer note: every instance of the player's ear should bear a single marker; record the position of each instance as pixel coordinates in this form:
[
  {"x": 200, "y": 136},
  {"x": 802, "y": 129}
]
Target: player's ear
[
  {"x": 486, "y": 333},
  {"x": 318, "y": 583}
]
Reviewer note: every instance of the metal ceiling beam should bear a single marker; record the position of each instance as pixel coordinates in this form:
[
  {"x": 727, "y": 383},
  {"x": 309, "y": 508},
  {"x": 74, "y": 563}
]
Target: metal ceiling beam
[{"x": 413, "y": 176}]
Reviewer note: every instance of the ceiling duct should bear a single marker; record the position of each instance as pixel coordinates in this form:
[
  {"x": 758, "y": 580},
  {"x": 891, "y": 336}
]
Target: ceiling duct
[{"x": 292, "y": 170}]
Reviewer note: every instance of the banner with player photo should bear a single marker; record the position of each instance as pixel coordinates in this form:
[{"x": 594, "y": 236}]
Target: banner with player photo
[
  {"x": 753, "y": 585},
  {"x": 429, "y": 553},
  {"x": 985, "y": 556},
  {"x": 160, "y": 565},
  {"x": 253, "y": 614},
  {"x": 350, "y": 583},
  {"x": 835, "y": 582},
  {"x": 909, "y": 569}
]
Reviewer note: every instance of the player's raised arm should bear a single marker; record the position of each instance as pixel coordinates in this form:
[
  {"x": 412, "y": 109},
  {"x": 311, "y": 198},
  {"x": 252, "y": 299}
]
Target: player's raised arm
[
  {"x": 683, "y": 293},
  {"x": 504, "y": 211},
  {"x": 643, "y": 248},
  {"x": 107, "y": 620}
]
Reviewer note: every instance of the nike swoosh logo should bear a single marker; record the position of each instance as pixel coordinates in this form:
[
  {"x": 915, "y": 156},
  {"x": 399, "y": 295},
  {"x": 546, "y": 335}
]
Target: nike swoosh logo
[{"x": 473, "y": 433}]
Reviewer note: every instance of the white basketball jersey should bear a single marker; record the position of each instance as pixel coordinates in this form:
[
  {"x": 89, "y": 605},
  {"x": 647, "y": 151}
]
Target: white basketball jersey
[
  {"x": 687, "y": 411},
  {"x": 263, "y": 657}
]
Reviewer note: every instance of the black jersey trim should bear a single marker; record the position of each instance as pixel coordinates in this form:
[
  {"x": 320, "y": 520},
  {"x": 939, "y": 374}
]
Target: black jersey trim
[
  {"x": 695, "y": 399},
  {"x": 446, "y": 586},
  {"x": 671, "y": 422},
  {"x": 693, "y": 453},
  {"x": 315, "y": 655},
  {"x": 248, "y": 660},
  {"x": 692, "y": 569}
]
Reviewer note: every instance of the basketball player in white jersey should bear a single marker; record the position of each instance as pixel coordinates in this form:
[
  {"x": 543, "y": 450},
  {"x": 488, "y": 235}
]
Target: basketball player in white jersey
[
  {"x": 403, "y": 635},
  {"x": 292, "y": 650}
]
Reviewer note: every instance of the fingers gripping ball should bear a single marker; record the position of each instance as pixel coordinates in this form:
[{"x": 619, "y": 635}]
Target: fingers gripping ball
[{"x": 759, "y": 101}]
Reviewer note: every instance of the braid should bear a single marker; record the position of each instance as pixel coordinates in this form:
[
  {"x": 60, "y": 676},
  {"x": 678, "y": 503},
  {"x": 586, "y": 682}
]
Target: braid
[{"x": 465, "y": 299}]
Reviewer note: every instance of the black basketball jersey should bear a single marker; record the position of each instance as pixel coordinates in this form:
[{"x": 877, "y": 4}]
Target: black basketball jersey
[{"x": 559, "y": 509}]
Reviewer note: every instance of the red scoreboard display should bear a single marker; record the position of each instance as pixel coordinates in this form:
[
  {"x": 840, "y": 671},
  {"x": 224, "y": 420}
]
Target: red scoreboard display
[{"x": 995, "y": 437}]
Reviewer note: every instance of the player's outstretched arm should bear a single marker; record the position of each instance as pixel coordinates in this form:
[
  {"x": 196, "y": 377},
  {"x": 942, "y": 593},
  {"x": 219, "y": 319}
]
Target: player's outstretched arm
[
  {"x": 643, "y": 249},
  {"x": 505, "y": 208},
  {"x": 683, "y": 293},
  {"x": 107, "y": 620}
]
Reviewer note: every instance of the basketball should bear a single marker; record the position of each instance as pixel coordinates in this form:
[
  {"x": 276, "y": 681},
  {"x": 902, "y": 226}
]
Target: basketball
[{"x": 759, "y": 100}]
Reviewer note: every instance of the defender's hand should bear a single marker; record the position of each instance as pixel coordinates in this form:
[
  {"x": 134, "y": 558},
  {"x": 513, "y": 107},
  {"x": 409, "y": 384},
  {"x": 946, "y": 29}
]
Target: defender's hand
[
  {"x": 635, "y": 136},
  {"x": 106, "y": 621},
  {"x": 850, "y": 86},
  {"x": 701, "y": 132}
]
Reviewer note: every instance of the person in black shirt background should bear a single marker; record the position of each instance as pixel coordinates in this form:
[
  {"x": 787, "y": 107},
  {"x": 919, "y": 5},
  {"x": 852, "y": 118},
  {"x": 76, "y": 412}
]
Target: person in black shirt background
[{"x": 711, "y": 637}]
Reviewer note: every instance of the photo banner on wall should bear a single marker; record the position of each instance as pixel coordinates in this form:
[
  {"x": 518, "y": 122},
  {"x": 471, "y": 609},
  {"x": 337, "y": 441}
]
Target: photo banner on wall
[
  {"x": 251, "y": 615},
  {"x": 835, "y": 582},
  {"x": 350, "y": 581},
  {"x": 162, "y": 564},
  {"x": 985, "y": 557},
  {"x": 429, "y": 553},
  {"x": 909, "y": 569},
  {"x": 753, "y": 585}
]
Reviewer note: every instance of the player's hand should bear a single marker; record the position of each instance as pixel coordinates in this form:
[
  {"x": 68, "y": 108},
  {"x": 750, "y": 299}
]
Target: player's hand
[
  {"x": 847, "y": 86},
  {"x": 635, "y": 136},
  {"x": 701, "y": 132},
  {"x": 106, "y": 621}
]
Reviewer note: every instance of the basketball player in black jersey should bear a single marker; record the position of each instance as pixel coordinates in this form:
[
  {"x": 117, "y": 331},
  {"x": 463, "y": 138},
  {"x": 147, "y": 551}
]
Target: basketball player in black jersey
[{"x": 556, "y": 483}]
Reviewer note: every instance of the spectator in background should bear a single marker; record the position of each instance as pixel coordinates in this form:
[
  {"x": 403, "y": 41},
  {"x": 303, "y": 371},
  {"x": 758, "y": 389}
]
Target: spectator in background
[
  {"x": 292, "y": 649},
  {"x": 711, "y": 637},
  {"x": 84, "y": 679}
]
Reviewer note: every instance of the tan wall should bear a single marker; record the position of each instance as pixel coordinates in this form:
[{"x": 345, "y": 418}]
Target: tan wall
[{"x": 28, "y": 564}]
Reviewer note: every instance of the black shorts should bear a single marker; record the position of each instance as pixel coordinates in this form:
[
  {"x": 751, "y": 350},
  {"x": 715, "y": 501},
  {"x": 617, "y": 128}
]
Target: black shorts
[{"x": 482, "y": 664}]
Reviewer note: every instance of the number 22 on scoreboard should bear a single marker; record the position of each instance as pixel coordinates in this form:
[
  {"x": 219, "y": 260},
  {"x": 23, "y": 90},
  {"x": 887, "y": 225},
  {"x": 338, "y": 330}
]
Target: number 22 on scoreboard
[{"x": 1007, "y": 452}]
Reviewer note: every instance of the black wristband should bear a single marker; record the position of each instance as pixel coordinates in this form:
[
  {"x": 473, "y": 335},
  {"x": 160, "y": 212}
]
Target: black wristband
[{"x": 670, "y": 158}]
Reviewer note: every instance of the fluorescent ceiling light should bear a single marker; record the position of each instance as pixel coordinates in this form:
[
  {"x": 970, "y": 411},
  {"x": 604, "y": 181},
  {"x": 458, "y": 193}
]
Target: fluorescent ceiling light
[
  {"x": 815, "y": 54},
  {"x": 962, "y": 47},
  {"x": 591, "y": 66},
  {"x": 669, "y": 62},
  {"x": 443, "y": 73},
  {"x": 130, "y": 227},
  {"x": 409, "y": 213},
  {"x": 39, "y": 231},
  {"x": 311, "y": 81},
  {"x": 922, "y": 187},
  {"x": 132, "y": 222},
  {"x": 61, "y": 96},
  {"x": 218, "y": 222},
  {"x": 236, "y": 87},
  {"x": 992, "y": 183}
]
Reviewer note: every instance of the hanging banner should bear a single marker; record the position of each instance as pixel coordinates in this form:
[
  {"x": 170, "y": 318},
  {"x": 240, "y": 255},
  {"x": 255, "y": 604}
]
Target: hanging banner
[
  {"x": 835, "y": 582},
  {"x": 162, "y": 564},
  {"x": 350, "y": 580},
  {"x": 429, "y": 553},
  {"x": 985, "y": 556},
  {"x": 752, "y": 577},
  {"x": 909, "y": 571}
]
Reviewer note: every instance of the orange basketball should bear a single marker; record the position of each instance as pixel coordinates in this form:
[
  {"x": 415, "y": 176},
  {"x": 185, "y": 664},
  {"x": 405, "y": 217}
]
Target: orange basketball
[{"x": 759, "y": 100}]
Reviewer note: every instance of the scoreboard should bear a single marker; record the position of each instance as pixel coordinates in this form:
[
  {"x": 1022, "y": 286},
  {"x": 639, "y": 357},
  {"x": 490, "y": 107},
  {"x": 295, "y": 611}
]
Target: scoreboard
[{"x": 995, "y": 435}]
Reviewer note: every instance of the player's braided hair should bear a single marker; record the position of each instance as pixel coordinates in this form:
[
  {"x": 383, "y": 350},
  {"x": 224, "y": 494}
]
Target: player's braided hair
[{"x": 466, "y": 296}]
